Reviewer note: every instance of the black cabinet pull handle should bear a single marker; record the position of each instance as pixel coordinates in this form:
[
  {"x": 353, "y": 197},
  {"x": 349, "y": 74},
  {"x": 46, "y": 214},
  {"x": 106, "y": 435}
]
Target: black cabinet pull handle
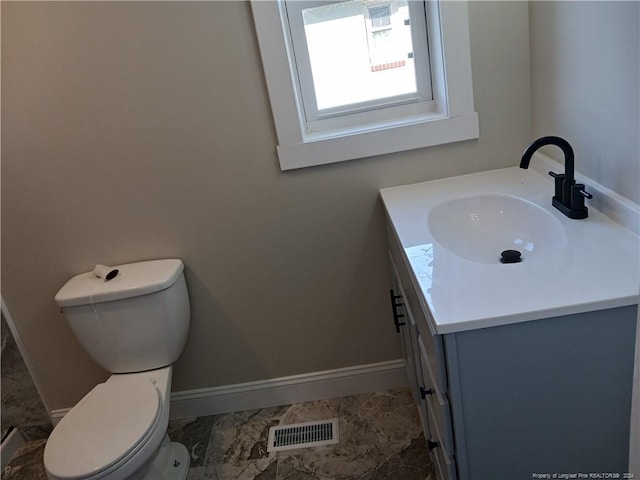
[
  {"x": 424, "y": 393},
  {"x": 431, "y": 445},
  {"x": 394, "y": 305}
]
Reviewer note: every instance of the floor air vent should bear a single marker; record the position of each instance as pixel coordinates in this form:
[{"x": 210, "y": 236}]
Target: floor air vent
[{"x": 303, "y": 435}]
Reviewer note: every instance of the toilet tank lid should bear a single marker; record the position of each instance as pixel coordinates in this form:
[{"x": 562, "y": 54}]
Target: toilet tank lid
[{"x": 133, "y": 279}]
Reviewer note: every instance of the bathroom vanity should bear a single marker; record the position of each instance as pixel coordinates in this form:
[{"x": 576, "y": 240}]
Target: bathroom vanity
[{"x": 519, "y": 369}]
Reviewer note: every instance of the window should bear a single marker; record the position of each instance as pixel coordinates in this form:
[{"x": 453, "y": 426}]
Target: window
[
  {"x": 356, "y": 78},
  {"x": 380, "y": 16},
  {"x": 351, "y": 59}
]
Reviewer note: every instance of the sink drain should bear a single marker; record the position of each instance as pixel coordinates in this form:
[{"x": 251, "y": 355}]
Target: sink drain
[{"x": 510, "y": 256}]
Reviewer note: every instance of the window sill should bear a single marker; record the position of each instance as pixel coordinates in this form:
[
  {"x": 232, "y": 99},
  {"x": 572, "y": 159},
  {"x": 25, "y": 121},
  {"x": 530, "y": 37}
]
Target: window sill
[
  {"x": 450, "y": 118},
  {"x": 339, "y": 148}
]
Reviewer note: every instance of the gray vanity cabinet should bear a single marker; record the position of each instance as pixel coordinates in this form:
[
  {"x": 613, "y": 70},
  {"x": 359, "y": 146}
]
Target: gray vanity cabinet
[
  {"x": 549, "y": 396},
  {"x": 424, "y": 357}
]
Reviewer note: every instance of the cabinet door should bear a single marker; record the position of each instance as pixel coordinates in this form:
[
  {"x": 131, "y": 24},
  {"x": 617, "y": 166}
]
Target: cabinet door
[
  {"x": 406, "y": 328},
  {"x": 423, "y": 352},
  {"x": 433, "y": 353},
  {"x": 416, "y": 384},
  {"x": 433, "y": 342},
  {"x": 437, "y": 406},
  {"x": 445, "y": 468}
]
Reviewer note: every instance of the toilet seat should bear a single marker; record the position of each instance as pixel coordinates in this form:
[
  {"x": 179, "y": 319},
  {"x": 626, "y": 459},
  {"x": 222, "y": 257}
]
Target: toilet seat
[{"x": 104, "y": 429}]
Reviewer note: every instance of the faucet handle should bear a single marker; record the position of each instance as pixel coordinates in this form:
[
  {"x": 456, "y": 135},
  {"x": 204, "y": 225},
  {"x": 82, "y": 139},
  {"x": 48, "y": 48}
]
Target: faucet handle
[
  {"x": 578, "y": 194},
  {"x": 559, "y": 181},
  {"x": 582, "y": 191}
]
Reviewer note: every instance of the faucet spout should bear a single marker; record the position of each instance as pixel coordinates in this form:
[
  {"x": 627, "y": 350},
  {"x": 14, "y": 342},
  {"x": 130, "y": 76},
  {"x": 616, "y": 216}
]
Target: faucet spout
[
  {"x": 569, "y": 165},
  {"x": 569, "y": 196}
]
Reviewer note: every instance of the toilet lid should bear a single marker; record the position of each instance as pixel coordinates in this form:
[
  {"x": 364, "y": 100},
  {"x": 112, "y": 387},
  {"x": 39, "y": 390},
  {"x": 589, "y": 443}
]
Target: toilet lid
[{"x": 102, "y": 428}]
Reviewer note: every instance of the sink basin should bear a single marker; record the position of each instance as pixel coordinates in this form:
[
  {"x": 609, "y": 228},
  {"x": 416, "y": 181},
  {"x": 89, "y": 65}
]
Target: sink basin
[
  {"x": 480, "y": 227},
  {"x": 451, "y": 232}
]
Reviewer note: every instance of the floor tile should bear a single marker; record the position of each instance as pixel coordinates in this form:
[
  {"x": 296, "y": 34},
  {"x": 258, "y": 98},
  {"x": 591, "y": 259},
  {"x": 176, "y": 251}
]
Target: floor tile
[
  {"x": 380, "y": 439},
  {"x": 21, "y": 403},
  {"x": 263, "y": 469},
  {"x": 240, "y": 437},
  {"x": 408, "y": 464},
  {"x": 193, "y": 433},
  {"x": 27, "y": 463},
  {"x": 373, "y": 429}
]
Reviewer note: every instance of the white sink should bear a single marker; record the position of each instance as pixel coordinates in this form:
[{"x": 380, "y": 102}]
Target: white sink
[
  {"x": 480, "y": 227},
  {"x": 451, "y": 233}
]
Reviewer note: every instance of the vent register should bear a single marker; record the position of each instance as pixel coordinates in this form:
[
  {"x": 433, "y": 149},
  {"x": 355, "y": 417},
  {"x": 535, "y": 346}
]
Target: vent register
[{"x": 303, "y": 435}]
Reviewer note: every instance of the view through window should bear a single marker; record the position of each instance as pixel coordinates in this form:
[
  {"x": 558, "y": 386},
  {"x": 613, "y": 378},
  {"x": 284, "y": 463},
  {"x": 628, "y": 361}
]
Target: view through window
[{"x": 359, "y": 52}]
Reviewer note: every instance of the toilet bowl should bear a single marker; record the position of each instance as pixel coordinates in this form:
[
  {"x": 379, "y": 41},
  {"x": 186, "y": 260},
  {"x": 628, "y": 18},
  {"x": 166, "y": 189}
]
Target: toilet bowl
[
  {"x": 135, "y": 326},
  {"x": 116, "y": 431}
]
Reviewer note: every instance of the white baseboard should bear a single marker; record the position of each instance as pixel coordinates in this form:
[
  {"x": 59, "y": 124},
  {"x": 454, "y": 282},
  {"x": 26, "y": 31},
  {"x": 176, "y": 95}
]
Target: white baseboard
[
  {"x": 287, "y": 390},
  {"x": 57, "y": 415},
  {"x": 274, "y": 392},
  {"x": 10, "y": 446}
]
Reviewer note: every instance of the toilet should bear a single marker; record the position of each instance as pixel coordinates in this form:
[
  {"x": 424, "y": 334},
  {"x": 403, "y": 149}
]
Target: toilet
[{"x": 135, "y": 326}]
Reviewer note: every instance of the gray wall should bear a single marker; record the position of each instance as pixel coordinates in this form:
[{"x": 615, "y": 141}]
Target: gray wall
[
  {"x": 134, "y": 131},
  {"x": 585, "y": 86}
]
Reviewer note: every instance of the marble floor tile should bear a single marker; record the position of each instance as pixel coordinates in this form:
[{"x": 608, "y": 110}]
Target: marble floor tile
[
  {"x": 380, "y": 439},
  {"x": 36, "y": 432},
  {"x": 193, "y": 433},
  {"x": 375, "y": 429},
  {"x": 262, "y": 469},
  {"x": 408, "y": 464},
  {"x": 21, "y": 403},
  {"x": 241, "y": 437},
  {"x": 27, "y": 463},
  {"x": 197, "y": 473},
  {"x": 238, "y": 446}
]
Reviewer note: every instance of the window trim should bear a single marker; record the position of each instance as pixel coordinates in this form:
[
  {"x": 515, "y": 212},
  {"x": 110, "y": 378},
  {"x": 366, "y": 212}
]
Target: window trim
[{"x": 452, "y": 118}]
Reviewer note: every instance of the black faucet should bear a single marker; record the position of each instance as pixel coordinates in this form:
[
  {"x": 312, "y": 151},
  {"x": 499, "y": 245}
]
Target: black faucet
[{"x": 569, "y": 196}]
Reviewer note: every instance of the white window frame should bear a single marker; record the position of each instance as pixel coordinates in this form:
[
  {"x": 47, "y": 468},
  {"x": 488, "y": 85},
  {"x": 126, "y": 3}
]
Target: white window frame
[
  {"x": 316, "y": 122},
  {"x": 450, "y": 118}
]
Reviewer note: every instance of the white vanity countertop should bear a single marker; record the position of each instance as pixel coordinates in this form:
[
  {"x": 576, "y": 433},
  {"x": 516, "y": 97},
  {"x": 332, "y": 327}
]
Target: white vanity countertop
[{"x": 598, "y": 268}]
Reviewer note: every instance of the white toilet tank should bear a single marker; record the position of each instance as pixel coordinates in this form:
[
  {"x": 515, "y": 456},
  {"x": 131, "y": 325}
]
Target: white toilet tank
[{"x": 137, "y": 321}]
